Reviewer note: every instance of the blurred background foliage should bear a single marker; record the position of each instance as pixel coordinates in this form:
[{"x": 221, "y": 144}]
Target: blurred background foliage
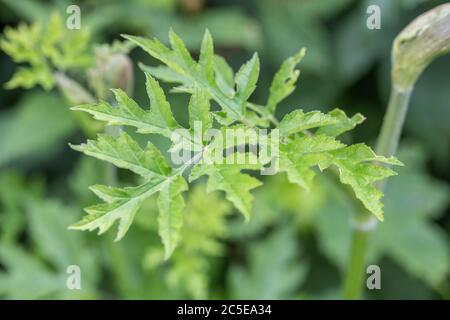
[{"x": 296, "y": 244}]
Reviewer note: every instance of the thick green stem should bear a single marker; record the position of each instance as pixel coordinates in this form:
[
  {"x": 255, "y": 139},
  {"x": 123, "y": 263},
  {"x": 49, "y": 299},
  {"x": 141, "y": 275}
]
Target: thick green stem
[
  {"x": 355, "y": 269},
  {"x": 393, "y": 122}
]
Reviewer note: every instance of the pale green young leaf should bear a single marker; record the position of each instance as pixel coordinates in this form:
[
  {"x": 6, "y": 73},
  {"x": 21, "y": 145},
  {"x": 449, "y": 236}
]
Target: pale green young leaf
[
  {"x": 343, "y": 124},
  {"x": 124, "y": 152},
  {"x": 206, "y": 59},
  {"x": 230, "y": 179},
  {"x": 298, "y": 121},
  {"x": 283, "y": 83},
  {"x": 29, "y": 77},
  {"x": 180, "y": 50},
  {"x": 159, "y": 107},
  {"x": 246, "y": 78},
  {"x": 44, "y": 47},
  {"x": 199, "y": 110},
  {"x": 192, "y": 73},
  {"x": 158, "y": 119},
  {"x": 357, "y": 170},
  {"x": 122, "y": 204},
  {"x": 201, "y": 235},
  {"x": 165, "y": 74},
  {"x": 224, "y": 76},
  {"x": 299, "y": 156},
  {"x": 22, "y": 43}
]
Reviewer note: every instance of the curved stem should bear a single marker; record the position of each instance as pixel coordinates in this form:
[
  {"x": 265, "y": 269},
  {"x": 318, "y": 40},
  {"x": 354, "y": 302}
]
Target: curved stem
[{"x": 393, "y": 122}]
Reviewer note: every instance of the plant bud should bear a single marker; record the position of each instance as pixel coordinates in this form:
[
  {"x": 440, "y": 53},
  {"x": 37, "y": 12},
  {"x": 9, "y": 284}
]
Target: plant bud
[
  {"x": 112, "y": 70},
  {"x": 423, "y": 40}
]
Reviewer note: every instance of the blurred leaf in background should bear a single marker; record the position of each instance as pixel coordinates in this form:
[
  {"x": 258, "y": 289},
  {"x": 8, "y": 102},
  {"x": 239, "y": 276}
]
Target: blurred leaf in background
[
  {"x": 35, "y": 129},
  {"x": 274, "y": 269},
  {"x": 37, "y": 269}
]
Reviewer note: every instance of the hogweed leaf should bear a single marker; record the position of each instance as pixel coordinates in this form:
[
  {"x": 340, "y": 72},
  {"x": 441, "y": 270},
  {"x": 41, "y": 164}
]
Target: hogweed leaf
[
  {"x": 206, "y": 60},
  {"x": 246, "y": 78},
  {"x": 229, "y": 178},
  {"x": 160, "y": 111},
  {"x": 283, "y": 83},
  {"x": 199, "y": 110},
  {"x": 170, "y": 220},
  {"x": 158, "y": 119},
  {"x": 344, "y": 123},
  {"x": 224, "y": 76},
  {"x": 356, "y": 168},
  {"x": 44, "y": 48},
  {"x": 180, "y": 50},
  {"x": 307, "y": 140},
  {"x": 201, "y": 74},
  {"x": 123, "y": 208},
  {"x": 298, "y": 121},
  {"x": 125, "y": 153},
  {"x": 355, "y": 163},
  {"x": 299, "y": 156}
]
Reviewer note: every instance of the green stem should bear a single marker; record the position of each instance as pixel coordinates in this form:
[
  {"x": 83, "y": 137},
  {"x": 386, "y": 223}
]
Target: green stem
[
  {"x": 393, "y": 122},
  {"x": 355, "y": 270}
]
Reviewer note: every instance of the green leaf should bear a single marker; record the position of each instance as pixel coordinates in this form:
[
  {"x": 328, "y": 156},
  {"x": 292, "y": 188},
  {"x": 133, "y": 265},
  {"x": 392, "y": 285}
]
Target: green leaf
[
  {"x": 124, "y": 152},
  {"x": 357, "y": 170},
  {"x": 158, "y": 119},
  {"x": 343, "y": 124},
  {"x": 199, "y": 110},
  {"x": 122, "y": 204},
  {"x": 300, "y": 155},
  {"x": 50, "y": 248},
  {"x": 170, "y": 220},
  {"x": 298, "y": 121},
  {"x": 246, "y": 78},
  {"x": 206, "y": 60},
  {"x": 160, "y": 109},
  {"x": 199, "y": 74},
  {"x": 44, "y": 48},
  {"x": 29, "y": 77},
  {"x": 301, "y": 150},
  {"x": 202, "y": 232},
  {"x": 224, "y": 76},
  {"x": 228, "y": 178},
  {"x": 355, "y": 164},
  {"x": 283, "y": 83}
]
